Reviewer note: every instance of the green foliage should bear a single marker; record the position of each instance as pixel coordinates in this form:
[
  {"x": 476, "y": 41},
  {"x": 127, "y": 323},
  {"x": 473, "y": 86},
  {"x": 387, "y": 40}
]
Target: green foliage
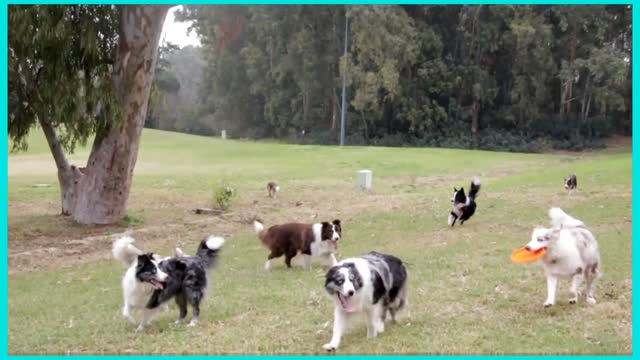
[
  {"x": 223, "y": 194},
  {"x": 60, "y": 60},
  {"x": 420, "y": 74}
]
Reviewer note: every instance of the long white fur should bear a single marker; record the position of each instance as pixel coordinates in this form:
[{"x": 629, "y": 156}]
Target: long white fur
[
  {"x": 214, "y": 242},
  {"x": 135, "y": 293},
  {"x": 570, "y": 246},
  {"x": 322, "y": 248},
  {"x": 362, "y": 302}
]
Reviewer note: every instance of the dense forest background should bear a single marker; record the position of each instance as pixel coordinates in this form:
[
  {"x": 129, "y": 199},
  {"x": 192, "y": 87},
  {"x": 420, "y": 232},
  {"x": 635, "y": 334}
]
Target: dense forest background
[{"x": 517, "y": 78}]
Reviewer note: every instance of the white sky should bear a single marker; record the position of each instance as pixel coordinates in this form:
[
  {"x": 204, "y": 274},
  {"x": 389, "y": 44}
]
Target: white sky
[{"x": 176, "y": 32}]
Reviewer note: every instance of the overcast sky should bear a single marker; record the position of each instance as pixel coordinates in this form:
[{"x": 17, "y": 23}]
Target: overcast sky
[{"x": 176, "y": 32}]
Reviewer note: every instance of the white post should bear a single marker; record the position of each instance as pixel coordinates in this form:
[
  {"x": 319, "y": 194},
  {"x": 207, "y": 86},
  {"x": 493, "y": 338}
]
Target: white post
[
  {"x": 364, "y": 179},
  {"x": 223, "y": 134}
]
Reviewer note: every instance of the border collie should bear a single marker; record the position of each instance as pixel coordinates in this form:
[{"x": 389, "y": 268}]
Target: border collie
[
  {"x": 142, "y": 278},
  {"x": 464, "y": 206},
  {"x": 571, "y": 183},
  {"x": 150, "y": 281},
  {"x": 572, "y": 252},
  {"x": 272, "y": 188},
  {"x": 371, "y": 285},
  {"x": 320, "y": 239}
]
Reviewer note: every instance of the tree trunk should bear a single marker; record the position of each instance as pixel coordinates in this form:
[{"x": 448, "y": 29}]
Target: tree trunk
[
  {"x": 68, "y": 175},
  {"x": 475, "y": 111},
  {"x": 103, "y": 190}
]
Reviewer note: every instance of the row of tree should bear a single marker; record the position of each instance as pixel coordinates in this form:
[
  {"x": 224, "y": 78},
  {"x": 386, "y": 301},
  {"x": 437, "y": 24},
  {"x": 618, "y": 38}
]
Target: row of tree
[{"x": 514, "y": 77}]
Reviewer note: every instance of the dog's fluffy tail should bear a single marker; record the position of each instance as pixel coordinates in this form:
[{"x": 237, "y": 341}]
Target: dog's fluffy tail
[
  {"x": 559, "y": 218},
  {"x": 259, "y": 229},
  {"x": 475, "y": 188},
  {"x": 124, "y": 250},
  {"x": 209, "y": 249}
]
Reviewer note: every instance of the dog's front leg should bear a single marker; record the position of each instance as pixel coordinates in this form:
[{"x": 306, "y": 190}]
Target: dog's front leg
[
  {"x": 332, "y": 259},
  {"x": 552, "y": 284},
  {"x": 375, "y": 323},
  {"x": 307, "y": 261},
  {"x": 452, "y": 219},
  {"x": 126, "y": 312},
  {"x": 146, "y": 318},
  {"x": 339, "y": 326}
]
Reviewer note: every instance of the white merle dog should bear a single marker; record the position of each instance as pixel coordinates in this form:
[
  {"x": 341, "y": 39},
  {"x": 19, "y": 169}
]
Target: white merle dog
[
  {"x": 371, "y": 285},
  {"x": 572, "y": 252}
]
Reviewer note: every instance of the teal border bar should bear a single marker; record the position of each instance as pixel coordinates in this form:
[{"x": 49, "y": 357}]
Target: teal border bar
[{"x": 4, "y": 158}]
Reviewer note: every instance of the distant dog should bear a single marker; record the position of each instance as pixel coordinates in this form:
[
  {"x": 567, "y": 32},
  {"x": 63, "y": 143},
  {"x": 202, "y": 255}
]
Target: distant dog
[
  {"x": 571, "y": 183},
  {"x": 320, "y": 239},
  {"x": 572, "y": 252},
  {"x": 272, "y": 189},
  {"x": 464, "y": 206},
  {"x": 151, "y": 280},
  {"x": 371, "y": 285}
]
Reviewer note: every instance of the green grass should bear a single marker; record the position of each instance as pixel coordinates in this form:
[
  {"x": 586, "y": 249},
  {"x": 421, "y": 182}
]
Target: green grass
[{"x": 465, "y": 295}]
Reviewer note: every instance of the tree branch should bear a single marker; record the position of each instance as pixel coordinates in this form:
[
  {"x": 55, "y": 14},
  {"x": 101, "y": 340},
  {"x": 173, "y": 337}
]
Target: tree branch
[{"x": 54, "y": 143}]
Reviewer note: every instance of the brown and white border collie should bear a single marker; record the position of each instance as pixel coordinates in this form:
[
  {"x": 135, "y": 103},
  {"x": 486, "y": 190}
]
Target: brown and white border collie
[
  {"x": 272, "y": 188},
  {"x": 320, "y": 239}
]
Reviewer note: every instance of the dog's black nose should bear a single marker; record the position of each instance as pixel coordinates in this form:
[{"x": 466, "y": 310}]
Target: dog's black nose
[{"x": 350, "y": 293}]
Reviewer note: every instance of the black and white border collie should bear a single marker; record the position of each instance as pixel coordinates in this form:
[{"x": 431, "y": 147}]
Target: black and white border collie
[
  {"x": 320, "y": 239},
  {"x": 571, "y": 183},
  {"x": 150, "y": 280},
  {"x": 372, "y": 285},
  {"x": 464, "y": 206}
]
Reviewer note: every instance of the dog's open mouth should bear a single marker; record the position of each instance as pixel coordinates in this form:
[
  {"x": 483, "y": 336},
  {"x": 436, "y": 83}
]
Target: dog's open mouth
[
  {"x": 346, "y": 303},
  {"x": 156, "y": 284}
]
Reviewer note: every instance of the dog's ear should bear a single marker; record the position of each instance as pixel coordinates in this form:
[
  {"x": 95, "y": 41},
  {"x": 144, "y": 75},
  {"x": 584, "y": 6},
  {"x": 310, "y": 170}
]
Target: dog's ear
[
  {"x": 180, "y": 265},
  {"x": 454, "y": 189},
  {"x": 336, "y": 222},
  {"x": 144, "y": 257}
]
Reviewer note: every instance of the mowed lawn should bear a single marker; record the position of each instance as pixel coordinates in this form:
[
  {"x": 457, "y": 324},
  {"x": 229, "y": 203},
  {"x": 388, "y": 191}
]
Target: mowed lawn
[{"x": 466, "y": 297}]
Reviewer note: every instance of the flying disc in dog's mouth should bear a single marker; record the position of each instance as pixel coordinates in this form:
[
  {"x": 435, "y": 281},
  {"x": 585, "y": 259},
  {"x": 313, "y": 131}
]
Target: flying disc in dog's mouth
[
  {"x": 156, "y": 284},
  {"x": 523, "y": 255},
  {"x": 346, "y": 303}
]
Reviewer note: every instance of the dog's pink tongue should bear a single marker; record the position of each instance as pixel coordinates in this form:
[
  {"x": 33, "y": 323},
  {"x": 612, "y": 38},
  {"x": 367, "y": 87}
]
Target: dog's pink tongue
[
  {"x": 156, "y": 284},
  {"x": 346, "y": 304}
]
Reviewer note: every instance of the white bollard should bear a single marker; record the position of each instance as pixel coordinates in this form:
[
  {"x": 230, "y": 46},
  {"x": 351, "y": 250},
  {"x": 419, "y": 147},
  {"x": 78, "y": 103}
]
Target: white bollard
[
  {"x": 223, "y": 134},
  {"x": 364, "y": 179}
]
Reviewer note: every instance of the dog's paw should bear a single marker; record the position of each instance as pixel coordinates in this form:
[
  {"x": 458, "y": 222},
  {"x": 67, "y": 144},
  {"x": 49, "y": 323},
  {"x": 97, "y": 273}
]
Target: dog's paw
[
  {"x": 139, "y": 328},
  {"x": 193, "y": 323},
  {"x": 548, "y": 304},
  {"x": 591, "y": 300},
  {"x": 329, "y": 347}
]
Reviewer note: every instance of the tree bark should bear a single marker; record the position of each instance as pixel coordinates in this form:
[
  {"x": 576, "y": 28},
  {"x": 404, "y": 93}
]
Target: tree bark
[
  {"x": 103, "y": 190},
  {"x": 68, "y": 175}
]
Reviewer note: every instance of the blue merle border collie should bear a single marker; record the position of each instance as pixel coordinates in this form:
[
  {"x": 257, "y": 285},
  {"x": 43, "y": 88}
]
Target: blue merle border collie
[
  {"x": 372, "y": 285},
  {"x": 151, "y": 281},
  {"x": 464, "y": 206}
]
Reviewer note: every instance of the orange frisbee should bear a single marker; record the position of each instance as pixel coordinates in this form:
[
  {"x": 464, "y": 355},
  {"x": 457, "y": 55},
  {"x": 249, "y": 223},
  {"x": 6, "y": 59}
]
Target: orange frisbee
[{"x": 523, "y": 255}]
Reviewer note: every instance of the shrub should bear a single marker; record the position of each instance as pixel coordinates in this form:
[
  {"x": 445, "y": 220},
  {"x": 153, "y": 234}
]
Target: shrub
[{"x": 223, "y": 193}]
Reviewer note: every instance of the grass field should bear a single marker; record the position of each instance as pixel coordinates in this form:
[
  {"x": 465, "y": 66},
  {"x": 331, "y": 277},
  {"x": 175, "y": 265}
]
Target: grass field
[{"x": 466, "y": 297}]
